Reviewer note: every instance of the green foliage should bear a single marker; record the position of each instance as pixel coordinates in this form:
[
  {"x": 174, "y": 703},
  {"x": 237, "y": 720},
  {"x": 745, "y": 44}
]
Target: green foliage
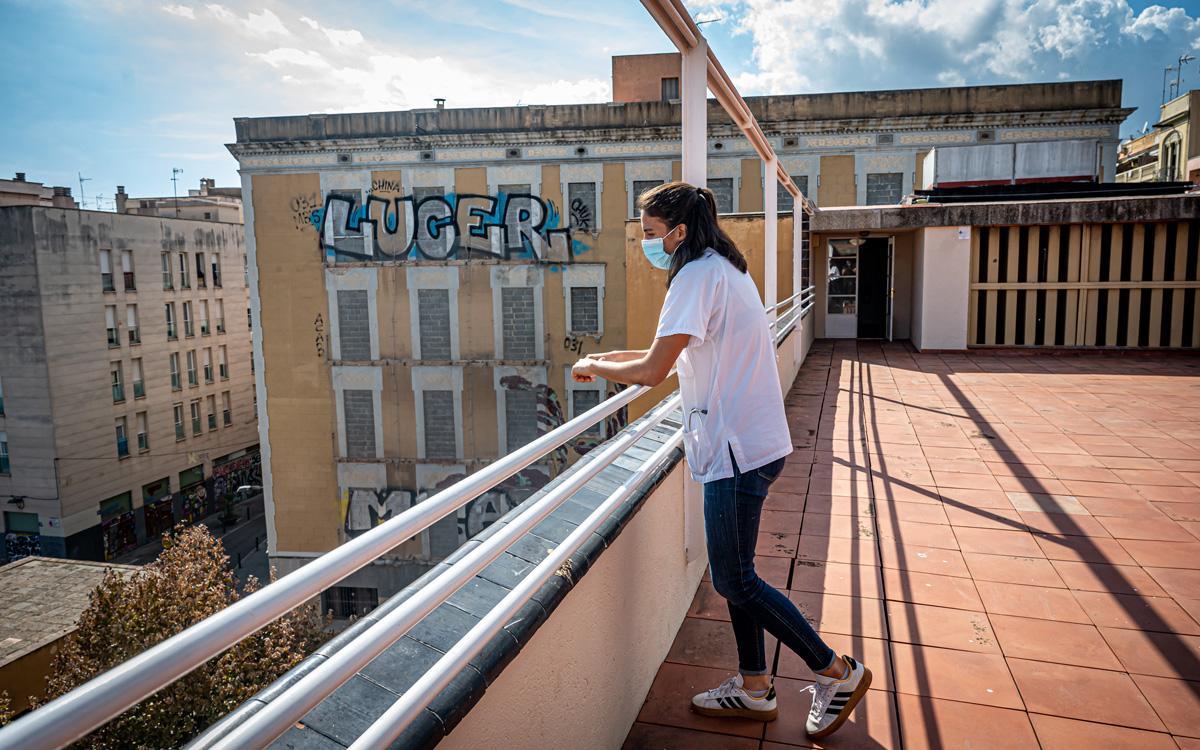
[
  {"x": 5, "y": 708},
  {"x": 129, "y": 613}
]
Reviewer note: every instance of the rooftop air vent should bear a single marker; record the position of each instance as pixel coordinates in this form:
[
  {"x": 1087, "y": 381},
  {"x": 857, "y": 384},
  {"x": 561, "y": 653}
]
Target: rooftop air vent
[
  {"x": 791, "y": 142},
  {"x": 884, "y": 139},
  {"x": 986, "y": 136},
  {"x": 718, "y": 146},
  {"x": 512, "y": 153},
  {"x": 344, "y": 158},
  {"x": 581, "y": 150},
  {"x": 426, "y": 156}
]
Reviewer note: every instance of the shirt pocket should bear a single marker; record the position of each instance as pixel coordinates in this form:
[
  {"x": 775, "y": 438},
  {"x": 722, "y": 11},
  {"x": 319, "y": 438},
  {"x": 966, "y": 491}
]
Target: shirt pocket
[{"x": 698, "y": 442}]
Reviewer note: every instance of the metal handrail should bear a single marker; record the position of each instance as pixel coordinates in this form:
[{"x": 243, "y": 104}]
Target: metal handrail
[
  {"x": 302, "y": 696},
  {"x": 783, "y": 302},
  {"x": 384, "y": 731},
  {"x": 78, "y": 712}
]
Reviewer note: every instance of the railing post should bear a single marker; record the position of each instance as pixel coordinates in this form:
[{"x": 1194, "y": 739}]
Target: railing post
[
  {"x": 693, "y": 92},
  {"x": 770, "y": 236}
]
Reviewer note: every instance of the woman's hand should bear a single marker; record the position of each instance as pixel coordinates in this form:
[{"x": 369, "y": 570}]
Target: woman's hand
[{"x": 581, "y": 372}]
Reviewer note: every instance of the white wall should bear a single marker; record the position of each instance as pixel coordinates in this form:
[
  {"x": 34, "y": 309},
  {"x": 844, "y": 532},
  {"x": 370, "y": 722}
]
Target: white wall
[{"x": 941, "y": 287}]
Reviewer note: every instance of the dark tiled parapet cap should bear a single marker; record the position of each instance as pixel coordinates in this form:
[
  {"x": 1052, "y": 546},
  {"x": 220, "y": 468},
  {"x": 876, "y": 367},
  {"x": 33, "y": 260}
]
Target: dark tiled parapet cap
[{"x": 339, "y": 719}]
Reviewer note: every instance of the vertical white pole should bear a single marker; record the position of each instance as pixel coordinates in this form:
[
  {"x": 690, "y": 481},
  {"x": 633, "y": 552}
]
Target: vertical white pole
[
  {"x": 693, "y": 84},
  {"x": 797, "y": 275},
  {"x": 770, "y": 236}
]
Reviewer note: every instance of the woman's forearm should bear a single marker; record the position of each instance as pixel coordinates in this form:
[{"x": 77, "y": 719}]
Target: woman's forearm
[
  {"x": 620, "y": 356},
  {"x": 631, "y": 371}
]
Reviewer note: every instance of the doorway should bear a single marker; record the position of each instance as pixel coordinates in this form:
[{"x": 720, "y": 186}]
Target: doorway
[{"x": 859, "y": 288}]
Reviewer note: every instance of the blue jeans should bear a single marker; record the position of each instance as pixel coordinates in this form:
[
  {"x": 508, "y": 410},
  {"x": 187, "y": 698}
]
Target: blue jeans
[{"x": 732, "y": 509}]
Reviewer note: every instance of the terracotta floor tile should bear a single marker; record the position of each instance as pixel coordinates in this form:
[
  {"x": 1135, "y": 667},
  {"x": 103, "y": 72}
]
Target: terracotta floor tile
[
  {"x": 929, "y": 588},
  {"x": 644, "y": 736},
  {"x": 915, "y": 512},
  {"x": 1081, "y": 693},
  {"x": 1040, "y": 502},
  {"x": 1115, "y": 579},
  {"x": 1152, "y": 477},
  {"x": 1065, "y": 524},
  {"x": 1046, "y": 640},
  {"x": 788, "y": 501},
  {"x": 833, "y": 613},
  {"x": 1177, "y": 582},
  {"x": 1110, "y": 490},
  {"x": 837, "y": 578},
  {"x": 975, "y": 498},
  {"x": 993, "y": 542},
  {"x": 912, "y": 533},
  {"x": 1030, "y": 601},
  {"x": 839, "y": 506},
  {"x": 1057, "y": 733},
  {"x": 931, "y": 723},
  {"x": 1169, "y": 494},
  {"x": 785, "y": 522},
  {"x": 1155, "y": 613},
  {"x": 842, "y": 527},
  {"x": 1187, "y": 743},
  {"x": 1082, "y": 473},
  {"x": 776, "y": 545},
  {"x": 1033, "y": 485},
  {"x": 773, "y": 570},
  {"x": 1140, "y": 508},
  {"x": 1176, "y": 702},
  {"x": 1033, "y": 571},
  {"x": 1164, "y": 554},
  {"x": 707, "y": 643},
  {"x": 1004, "y": 519},
  {"x": 853, "y": 551},
  {"x": 792, "y": 484},
  {"x": 670, "y": 698},
  {"x": 941, "y": 627},
  {"x": 872, "y": 725},
  {"x": 962, "y": 480},
  {"x": 896, "y": 492},
  {"x": 1083, "y": 549},
  {"x": 1191, "y": 606},
  {"x": 954, "y": 675},
  {"x": 923, "y": 559},
  {"x": 708, "y": 604},
  {"x": 1153, "y": 529},
  {"x": 872, "y": 652},
  {"x": 1159, "y": 654}
]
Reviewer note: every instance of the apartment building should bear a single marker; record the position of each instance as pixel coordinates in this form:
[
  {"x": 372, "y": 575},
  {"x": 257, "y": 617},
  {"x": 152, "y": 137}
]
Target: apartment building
[
  {"x": 426, "y": 278},
  {"x": 127, "y": 380},
  {"x": 1170, "y": 150},
  {"x": 208, "y": 202}
]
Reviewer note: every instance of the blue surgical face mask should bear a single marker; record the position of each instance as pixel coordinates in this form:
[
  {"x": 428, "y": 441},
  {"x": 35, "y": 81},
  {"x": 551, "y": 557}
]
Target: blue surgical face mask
[{"x": 656, "y": 253}]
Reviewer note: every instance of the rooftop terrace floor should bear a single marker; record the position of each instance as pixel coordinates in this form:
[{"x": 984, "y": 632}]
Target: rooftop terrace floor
[{"x": 1010, "y": 542}]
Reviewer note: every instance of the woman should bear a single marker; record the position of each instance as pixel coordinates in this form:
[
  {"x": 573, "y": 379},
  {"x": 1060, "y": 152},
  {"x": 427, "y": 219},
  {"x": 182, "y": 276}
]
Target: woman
[{"x": 714, "y": 329}]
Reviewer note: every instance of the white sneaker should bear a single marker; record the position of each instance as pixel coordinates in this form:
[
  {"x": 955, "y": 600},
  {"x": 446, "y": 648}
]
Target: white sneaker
[
  {"x": 834, "y": 699},
  {"x": 731, "y": 699}
]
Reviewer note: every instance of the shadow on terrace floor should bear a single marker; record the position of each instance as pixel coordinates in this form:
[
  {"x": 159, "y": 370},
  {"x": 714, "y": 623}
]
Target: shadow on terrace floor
[{"x": 1012, "y": 543}]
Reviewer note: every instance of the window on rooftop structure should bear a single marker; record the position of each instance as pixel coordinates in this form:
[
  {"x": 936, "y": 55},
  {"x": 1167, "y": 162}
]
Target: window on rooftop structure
[
  {"x": 433, "y": 323},
  {"x": 581, "y": 200},
  {"x": 670, "y": 89},
  {"x": 885, "y": 188},
  {"x": 783, "y": 199},
  {"x": 441, "y": 440},
  {"x": 722, "y": 190}
]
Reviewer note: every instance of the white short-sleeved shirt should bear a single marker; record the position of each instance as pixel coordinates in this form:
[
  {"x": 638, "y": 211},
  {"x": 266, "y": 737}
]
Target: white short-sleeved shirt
[{"x": 727, "y": 374}]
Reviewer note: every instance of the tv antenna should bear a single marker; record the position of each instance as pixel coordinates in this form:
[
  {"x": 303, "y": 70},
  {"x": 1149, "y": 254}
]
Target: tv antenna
[
  {"x": 82, "y": 195},
  {"x": 1184, "y": 59},
  {"x": 175, "y": 172},
  {"x": 1166, "y": 71}
]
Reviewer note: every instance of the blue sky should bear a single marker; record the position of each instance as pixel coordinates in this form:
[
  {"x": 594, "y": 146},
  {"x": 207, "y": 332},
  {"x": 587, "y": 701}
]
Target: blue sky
[{"x": 124, "y": 90}]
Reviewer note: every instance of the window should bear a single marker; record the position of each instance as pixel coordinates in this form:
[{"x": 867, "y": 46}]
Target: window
[
  {"x": 1, "y": 398},
  {"x": 179, "y": 422},
  {"x": 670, "y": 89},
  {"x": 139, "y": 385},
  {"x": 216, "y": 271},
  {"x": 220, "y": 316},
  {"x": 185, "y": 281},
  {"x": 131, "y": 322},
  {"x": 127, "y": 270},
  {"x": 583, "y": 289},
  {"x": 433, "y": 317},
  {"x": 585, "y": 309},
  {"x": 212, "y": 413},
  {"x": 722, "y": 190},
  {"x": 172, "y": 331},
  {"x": 208, "y": 214},
  {"x": 118, "y": 385},
  {"x": 783, "y": 199},
  {"x": 358, "y": 406},
  {"x": 520, "y": 418},
  {"x": 354, "y": 326},
  {"x": 175, "y": 384},
  {"x": 342, "y": 214},
  {"x": 222, "y": 364},
  {"x": 639, "y": 187},
  {"x": 110, "y": 322},
  {"x": 208, "y": 366},
  {"x": 106, "y": 277},
  {"x": 122, "y": 438},
  {"x": 191, "y": 367},
  {"x": 143, "y": 435},
  {"x": 196, "y": 425},
  {"x": 167, "y": 278},
  {"x": 5, "y": 467},
  {"x": 246, "y": 270},
  {"x": 440, "y": 438},
  {"x": 517, "y": 322},
  {"x": 349, "y": 601},
  {"x": 188, "y": 331},
  {"x": 517, "y": 195},
  {"x": 226, "y": 409},
  {"x": 581, "y": 198},
  {"x": 203, "y": 317},
  {"x": 885, "y": 188},
  {"x": 249, "y": 319},
  {"x": 200, "y": 280},
  {"x": 581, "y": 401}
]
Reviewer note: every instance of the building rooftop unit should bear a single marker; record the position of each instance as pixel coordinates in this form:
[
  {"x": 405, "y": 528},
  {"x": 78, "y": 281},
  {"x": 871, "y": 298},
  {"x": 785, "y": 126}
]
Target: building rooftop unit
[{"x": 20, "y": 191}]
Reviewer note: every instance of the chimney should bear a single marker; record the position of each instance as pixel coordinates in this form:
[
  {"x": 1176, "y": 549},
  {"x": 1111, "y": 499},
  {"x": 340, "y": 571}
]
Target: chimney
[
  {"x": 62, "y": 198},
  {"x": 121, "y": 198},
  {"x": 439, "y": 103},
  {"x": 207, "y": 184},
  {"x": 20, "y": 177}
]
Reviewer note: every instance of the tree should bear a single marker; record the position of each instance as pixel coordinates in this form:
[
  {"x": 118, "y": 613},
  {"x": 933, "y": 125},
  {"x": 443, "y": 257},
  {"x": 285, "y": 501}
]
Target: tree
[{"x": 129, "y": 613}]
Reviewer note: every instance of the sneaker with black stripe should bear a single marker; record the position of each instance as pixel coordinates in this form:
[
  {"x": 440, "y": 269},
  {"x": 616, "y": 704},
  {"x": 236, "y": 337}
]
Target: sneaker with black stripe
[
  {"x": 834, "y": 699},
  {"x": 731, "y": 699}
]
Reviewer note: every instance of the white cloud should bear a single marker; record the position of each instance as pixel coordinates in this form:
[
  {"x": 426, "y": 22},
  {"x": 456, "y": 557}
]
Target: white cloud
[
  {"x": 288, "y": 57},
  {"x": 568, "y": 92},
  {"x": 262, "y": 25},
  {"x": 183, "y": 11}
]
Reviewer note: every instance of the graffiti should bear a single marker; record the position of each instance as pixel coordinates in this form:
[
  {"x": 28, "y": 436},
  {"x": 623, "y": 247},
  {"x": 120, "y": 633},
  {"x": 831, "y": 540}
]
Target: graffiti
[
  {"x": 385, "y": 186},
  {"x": 227, "y": 477},
  {"x": 368, "y": 508},
  {"x": 573, "y": 343},
  {"x": 319, "y": 329},
  {"x": 549, "y": 413},
  {"x": 159, "y": 517},
  {"x": 193, "y": 502},
  {"x": 18, "y": 545},
  {"x": 482, "y": 512},
  {"x": 581, "y": 215},
  {"x": 302, "y": 207},
  {"x": 119, "y": 535},
  {"x": 442, "y": 227}
]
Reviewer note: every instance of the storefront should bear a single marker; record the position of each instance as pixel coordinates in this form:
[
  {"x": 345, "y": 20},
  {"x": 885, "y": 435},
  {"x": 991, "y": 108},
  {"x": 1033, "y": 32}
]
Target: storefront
[
  {"x": 118, "y": 526},
  {"x": 156, "y": 502},
  {"x": 193, "y": 496}
]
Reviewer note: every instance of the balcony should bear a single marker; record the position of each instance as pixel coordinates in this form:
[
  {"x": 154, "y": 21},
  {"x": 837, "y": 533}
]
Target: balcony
[
  {"x": 175, "y": 384},
  {"x": 204, "y": 328},
  {"x": 168, "y": 282},
  {"x": 130, "y": 286},
  {"x": 196, "y": 426},
  {"x": 200, "y": 282},
  {"x": 114, "y": 339},
  {"x": 106, "y": 282},
  {"x": 172, "y": 331},
  {"x": 220, "y": 325},
  {"x": 118, "y": 393},
  {"x": 179, "y": 432},
  {"x": 192, "y": 378},
  {"x": 223, "y": 370},
  {"x": 216, "y": 279},
  {"x": 143, "y": 442},
  {"x": 5, "y": 467},
  {"x": 135, "y": 335},
  {"x": 122, "y": 447},
  {"x": 227, "y": 417},
  {"x": 212, "y": 421},
  {"x": 139, "y": 389},
  {"x": 208, "y": 374},
  {"x": 185, "y": 282},
  {"x": 188, "y": 330}
]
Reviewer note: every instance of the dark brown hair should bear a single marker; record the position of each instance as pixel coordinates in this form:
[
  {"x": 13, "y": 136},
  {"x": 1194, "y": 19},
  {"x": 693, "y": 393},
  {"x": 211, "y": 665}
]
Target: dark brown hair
[{"x": 680, "y": 203}]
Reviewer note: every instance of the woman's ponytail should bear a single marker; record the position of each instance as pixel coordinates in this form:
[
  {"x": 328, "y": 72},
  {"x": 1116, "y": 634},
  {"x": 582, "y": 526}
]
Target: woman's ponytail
[{"x": 681, "y": 203}]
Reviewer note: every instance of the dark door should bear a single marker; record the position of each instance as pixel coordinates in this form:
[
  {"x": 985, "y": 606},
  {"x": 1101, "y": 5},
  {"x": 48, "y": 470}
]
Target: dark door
[{"x": 873, "y": 288}]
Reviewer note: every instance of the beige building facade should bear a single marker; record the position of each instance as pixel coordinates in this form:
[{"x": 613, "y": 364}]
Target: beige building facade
[
  {"x": 1168, "y": 153},
  {"x": 208, "y": 203},
  {"x": 127, "y": 382},
  {"x": 426, "y": 278}
]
